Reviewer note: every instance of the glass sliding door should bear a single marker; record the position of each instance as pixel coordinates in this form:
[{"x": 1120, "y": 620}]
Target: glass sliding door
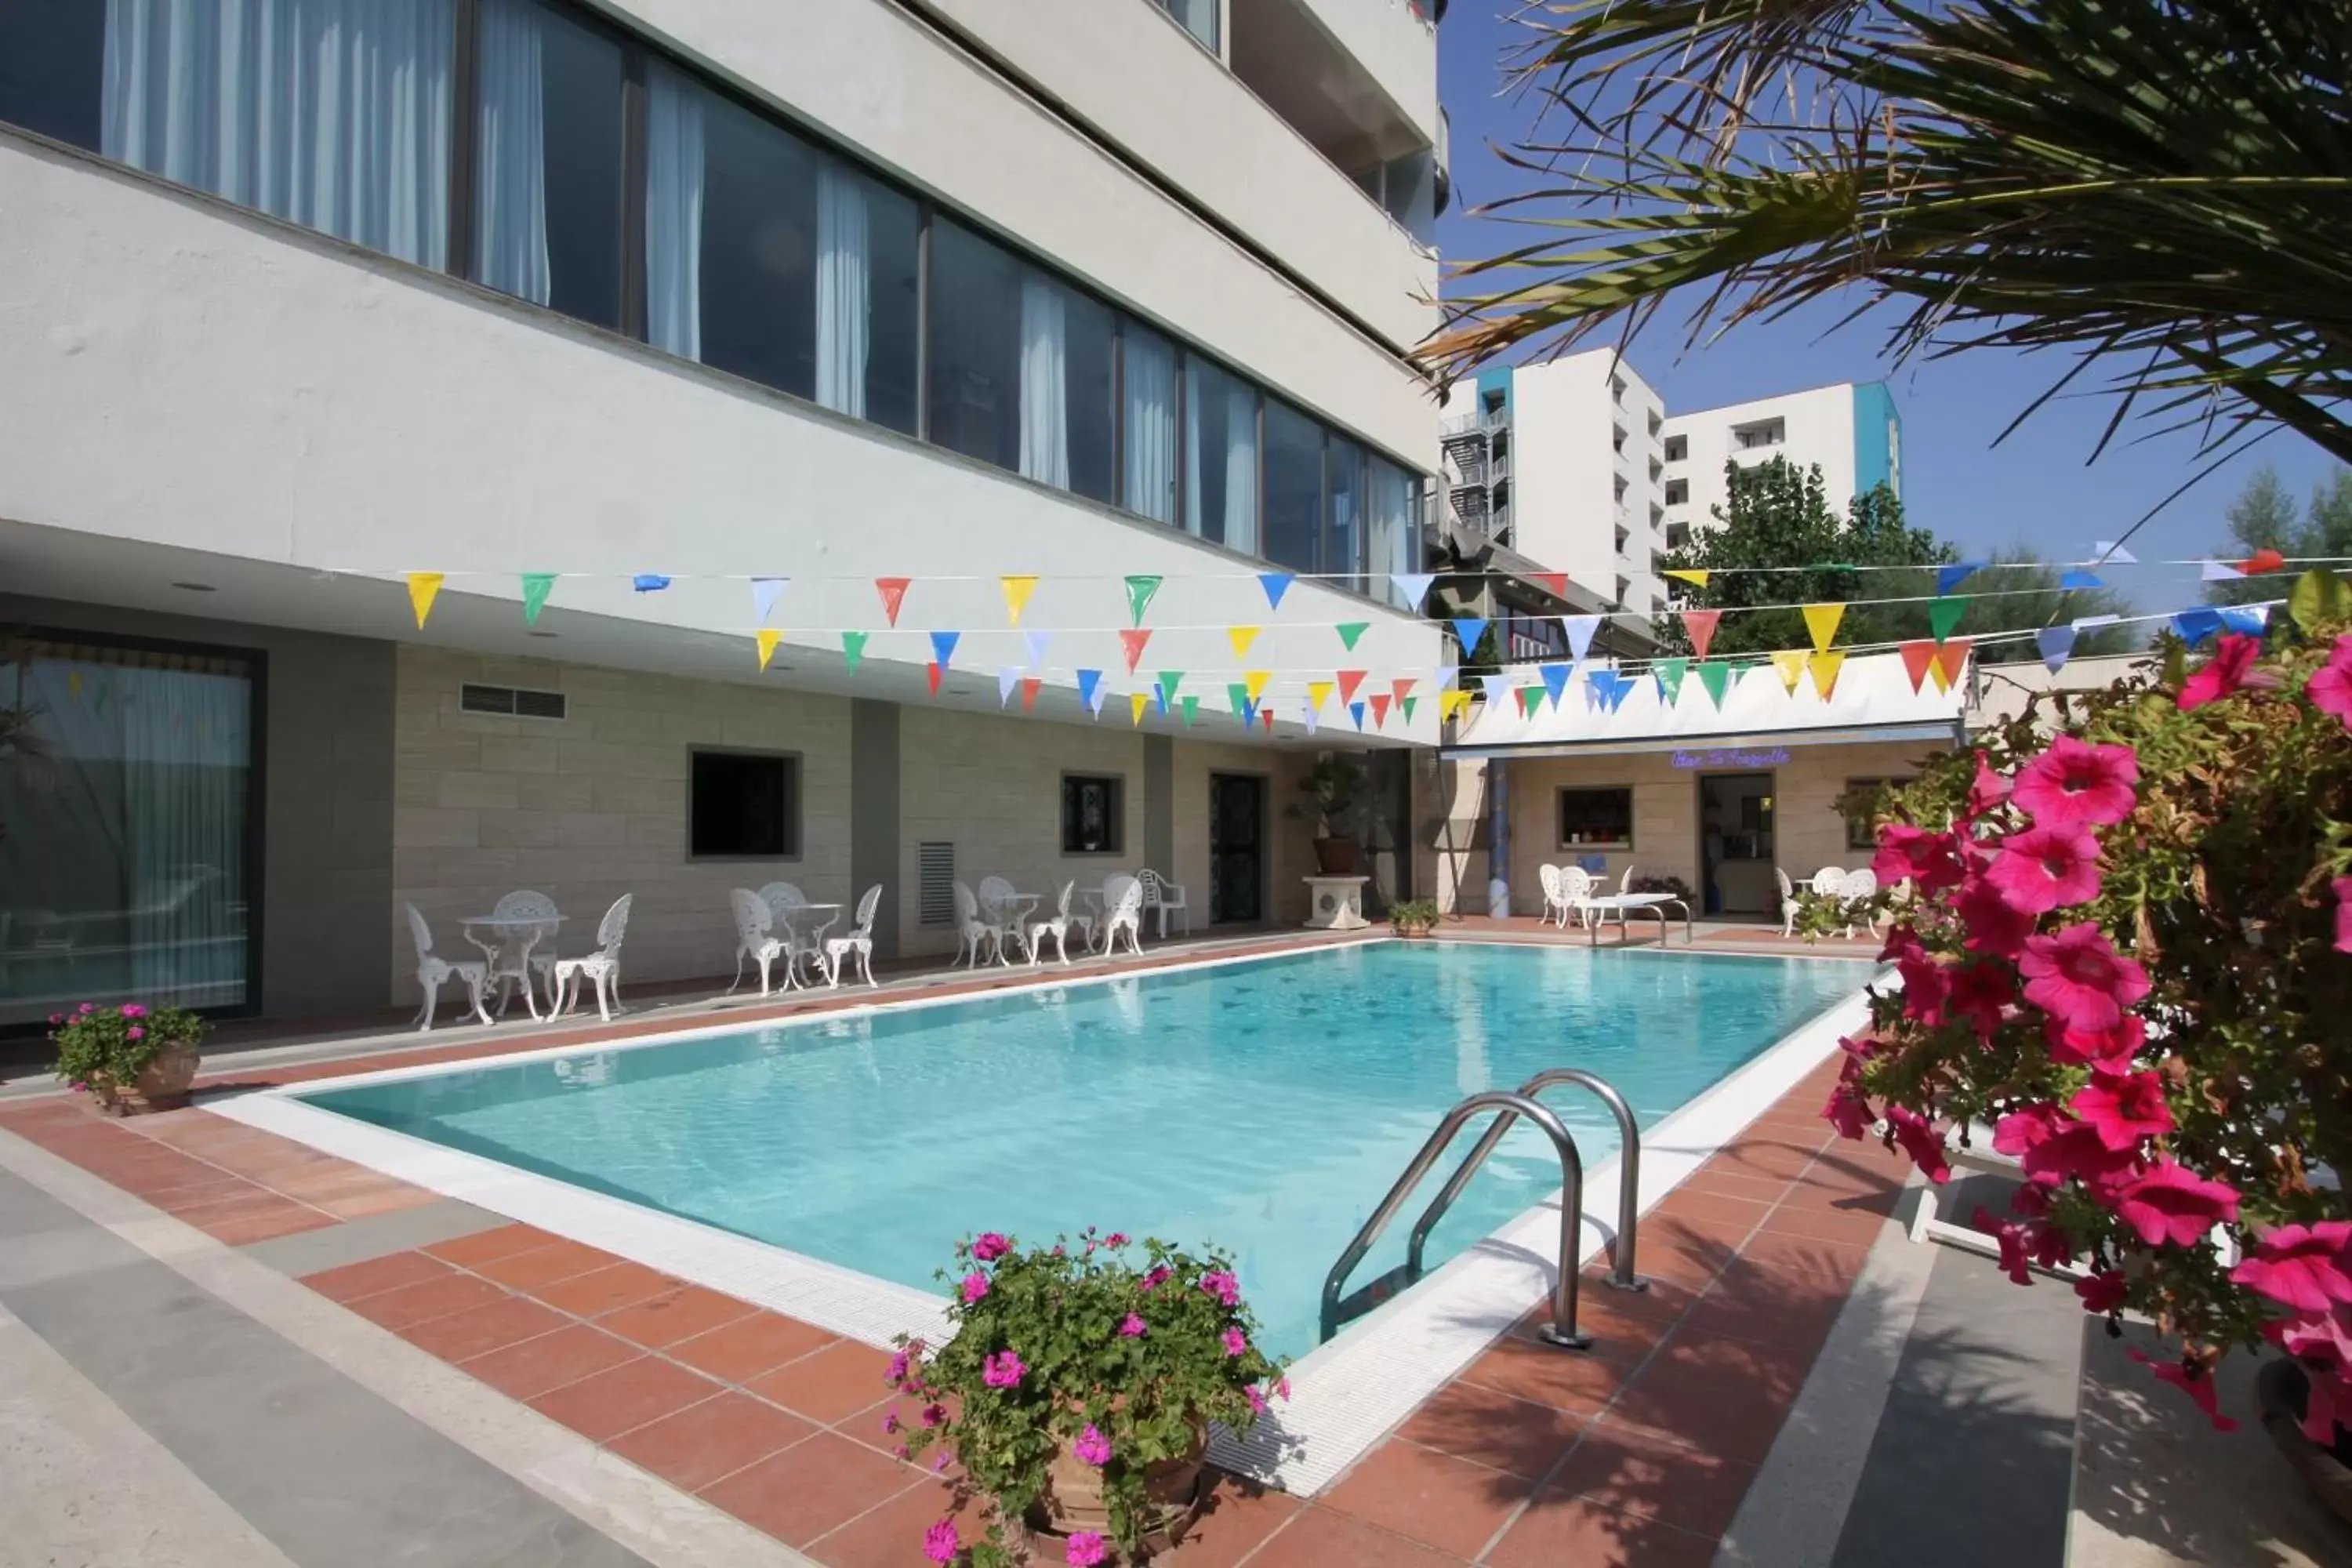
[{"x": 125, "y": 829}]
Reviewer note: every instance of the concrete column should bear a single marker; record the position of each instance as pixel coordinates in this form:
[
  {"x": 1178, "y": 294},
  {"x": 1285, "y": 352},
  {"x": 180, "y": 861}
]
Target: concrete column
[
  {"x": 1160, "y": 803},
  {"x": 1498, "y": 837},
  {"x": 874, "y": 816}
]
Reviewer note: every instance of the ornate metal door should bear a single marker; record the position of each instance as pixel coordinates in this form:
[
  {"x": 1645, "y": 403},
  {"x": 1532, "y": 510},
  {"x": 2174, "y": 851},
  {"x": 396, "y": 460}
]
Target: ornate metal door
[{"x": 1237, "y": 847}]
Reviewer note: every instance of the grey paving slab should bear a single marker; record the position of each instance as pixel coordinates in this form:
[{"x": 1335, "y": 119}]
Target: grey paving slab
[
  {"x": 356, "y": 1241},
  {"x": 330, "y": 1473}
]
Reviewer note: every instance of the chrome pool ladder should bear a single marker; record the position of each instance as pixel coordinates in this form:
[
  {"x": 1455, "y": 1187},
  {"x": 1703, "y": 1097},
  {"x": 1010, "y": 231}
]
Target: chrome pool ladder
[{"x": 1510, "y": 1106}]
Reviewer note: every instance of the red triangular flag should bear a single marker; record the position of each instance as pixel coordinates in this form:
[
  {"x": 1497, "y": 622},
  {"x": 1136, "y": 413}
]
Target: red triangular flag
[
  {"x": 1266, "y": 717},
  {"x": 1700, "y": 625},
  {"x": 1952, "y": 658},
  {"x": 932, "y": 671},
  {"x": 894, "y": 594},
  {"x": 1555, "y": 581},
  {"x": 1379, "y": 712},
  {"x": 1403, "y": 689},
  {"x": 1133, "y": 641},
  {"x": 2263, "y": 561},
  {"x": 1348, "y": 680},
  {"x": 1029, "y": 693},
  {"x": 1916, "y": 657}
]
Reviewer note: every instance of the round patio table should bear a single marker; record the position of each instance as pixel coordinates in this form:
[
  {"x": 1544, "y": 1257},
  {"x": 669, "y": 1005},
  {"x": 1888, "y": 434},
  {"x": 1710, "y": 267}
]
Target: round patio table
[
  {"x": 529, "y": 925},
  {"x": 804, "y": 939},
  {"x": 1012, "y": 909}
]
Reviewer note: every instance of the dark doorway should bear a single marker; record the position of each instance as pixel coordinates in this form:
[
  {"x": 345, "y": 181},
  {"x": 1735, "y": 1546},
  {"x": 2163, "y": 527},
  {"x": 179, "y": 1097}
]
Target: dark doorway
[
  {"x": 1237, "y": 847},
  {"x": 1736, "y": 854}
]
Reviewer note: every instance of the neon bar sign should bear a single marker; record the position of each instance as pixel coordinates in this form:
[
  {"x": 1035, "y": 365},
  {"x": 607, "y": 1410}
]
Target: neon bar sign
[{"x": 1770, "y": 757}]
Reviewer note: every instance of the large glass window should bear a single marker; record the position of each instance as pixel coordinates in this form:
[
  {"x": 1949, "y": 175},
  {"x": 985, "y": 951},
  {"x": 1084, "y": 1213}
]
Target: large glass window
[
  {"x": 1294, "y": 487},
  {"x": 1220, "y": 456},
  {"x": 1391, "y": 537},
  {"x": 1147, "y": 374},
  {"x": 52, "y": 58},
  {"x": 1343, "y": 514},
  {"x": 1198, "y": 17},
  {"x": 1021, "y": 367},
  {"x": 547, "y": 180},
  {"x": 125, "y": 805}
]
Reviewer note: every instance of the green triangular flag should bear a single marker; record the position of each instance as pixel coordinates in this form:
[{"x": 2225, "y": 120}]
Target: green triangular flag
[
  {"x": 1140, "y": 590},
  {"x": 1715, "y": 676},
  {"x": 1238, "y": 695},
  {"x": 536, "y": 586},
  {"x": 1670, "y": 673},
  {"x": 1943, "y": 615},
  {"x": 1169, "y": 681},
  {"x": 1528, "y": 697},
  {"x": 1406, "y": 704},
  {"x": 1351, "y": 631},
  {"x": 853, "y": 649},
  {"x": 1192, "y": 707}
]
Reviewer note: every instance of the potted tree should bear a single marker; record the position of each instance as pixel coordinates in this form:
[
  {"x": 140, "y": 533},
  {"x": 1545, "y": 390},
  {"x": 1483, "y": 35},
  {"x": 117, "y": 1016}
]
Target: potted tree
[
  {"x": 1077, "y": 1394},
  {"x": 1334, "y": 790},
  {"x": 1413, "y": 918},
  {"x": 131, "y": 1053}
]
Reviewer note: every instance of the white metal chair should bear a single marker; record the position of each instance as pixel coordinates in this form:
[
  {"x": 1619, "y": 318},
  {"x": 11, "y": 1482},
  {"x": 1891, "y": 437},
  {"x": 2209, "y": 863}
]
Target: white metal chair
[
  {"x": 1165, "y": 896},
  {"x": 1555, "y": 906},
  {"x": 1788, "y": 903},
  {"x": 524, "y": 953},
  {"x": 433, "y": 972},
  {"x": 1576, "y": 892},
  {"x": 1862, "y": 884},
  {"x": 1057, "y": 927},
  {"x": 754, "y": 936},
  {"x": 1123, "y": 912},
  {"x": 974, "y": 926},
  {"x": 860, "y": 941},
  {"x": 601, "y": 968}
]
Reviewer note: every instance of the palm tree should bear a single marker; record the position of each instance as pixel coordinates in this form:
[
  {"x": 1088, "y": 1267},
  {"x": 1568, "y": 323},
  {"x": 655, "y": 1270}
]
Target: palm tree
[{"x": 2156, "y": 188}]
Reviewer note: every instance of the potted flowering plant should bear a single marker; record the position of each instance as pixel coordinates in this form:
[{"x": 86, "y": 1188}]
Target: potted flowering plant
[
  {"x": 1414, "y": 917},
  {"x": 118, "y": 1054},
  {"x": 1076, "y": 1393},
  {"x": 2128, "y": 957}
]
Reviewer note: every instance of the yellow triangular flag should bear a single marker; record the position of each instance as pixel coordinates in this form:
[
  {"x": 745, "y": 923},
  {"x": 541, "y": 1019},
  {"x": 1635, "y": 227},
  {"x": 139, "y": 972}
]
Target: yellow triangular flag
[
  {"x": 1016, "y": 596},
  {"x": 1821, "y": 620},
  {"x": 1453, "y": 702},
  {"x": 768, "y": 641},
  {"x": 1254, "y": 682},
  {"x": 1791, "y": 663},
  {"x": 1242, "y": 637},
  {"x": 1318, "y": 693},
  {"x": 424, "y": 588},
  {"x": 1695, "y": 579},
  {"x": 1137, "y": 701},
  {"x": 1825, "y": 665},
  {"x": 1935, "y": 673}
]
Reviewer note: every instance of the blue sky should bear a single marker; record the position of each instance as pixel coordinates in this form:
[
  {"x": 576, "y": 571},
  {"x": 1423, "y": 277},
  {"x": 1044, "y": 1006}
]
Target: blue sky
[{"x": 2034, "y": 488}]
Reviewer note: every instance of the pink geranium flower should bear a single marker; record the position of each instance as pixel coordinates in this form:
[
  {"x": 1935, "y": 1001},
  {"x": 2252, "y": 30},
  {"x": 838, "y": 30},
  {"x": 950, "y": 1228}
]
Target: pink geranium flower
[
  {"x": 1223, "y": 1285},
  {"x": 1982, "y": 994},
  {"x": 1994, "y": 926},
  {"x": 1988, "y": 789},
  {"x": 1258, "y": 1400},
  {"x": 1921, "y": 1141},
  {"x": 2330, "y": 687},
  {"x": 1116, "y": 1238},
  {"x": 2229, "y": 672},
  {"x": 133, "y": 1010},
  {"x": 1002, "y": 1369},
  {"x": 1235, "y": 1341},
  {"x": 1131, "y": 1327},
  {"x": 2075, "y": 785},
  {"x": 940, "y": 1542},
  {"x": 2123, "y": 1108},
  {"x": 1156, "y": 1278},
  {"x": 2110, "y": 1049},
  {"x": 2044, "y": 868},
  {"x": 1085, "y": 1550},
  {"x": 1849, "y": 1112},
  {"x": 1930, "y": 860},
  {"x": 2305, "y": 1266},
  {"x": 933, "y": 1416},
  {"x": 989, "y": 1246},
  {"x": 135, "y": 1032},
  {"x": 2173, "y": 1203},
  {"x": 975, "y": 1286},
  {"x": 899, "y": 1364},
  {"x": 2102, "y": 1292},
  {"x": 2078, "y": 978},
  {"x": 1091, "y": 1447},
  {"x": 2192, "y": 1381}
]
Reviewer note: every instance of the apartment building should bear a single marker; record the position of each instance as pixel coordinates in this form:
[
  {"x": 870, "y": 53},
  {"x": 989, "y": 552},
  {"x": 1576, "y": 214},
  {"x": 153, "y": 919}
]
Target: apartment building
[
  {"x": 1852, "y": 431},
  {"x": 455, "y": 445}
]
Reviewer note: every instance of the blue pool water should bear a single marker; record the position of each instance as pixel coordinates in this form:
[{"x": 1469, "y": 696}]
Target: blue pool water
[{"x": 1265, "y": 1105}]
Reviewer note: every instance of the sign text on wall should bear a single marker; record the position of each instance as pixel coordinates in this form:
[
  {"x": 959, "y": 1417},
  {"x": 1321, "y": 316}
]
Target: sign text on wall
[{"x": 1770, "y": 757}]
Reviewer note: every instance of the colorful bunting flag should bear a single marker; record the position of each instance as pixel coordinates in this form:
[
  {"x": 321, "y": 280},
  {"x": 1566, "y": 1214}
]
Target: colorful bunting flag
[
  {"x": 648, "y": 582},
  {"x": 1017, "y": 590},
  {"x": 1401, "y": 688},
  {"x": 1348, "y": 680},
  {"x": 1405, "y": 705},
  {"x": 1468, "y": 631},
  {"x": 1555, "y": 581},
  {"x": 1266, "y": 716},
  {"x": 1821, "y": 621},
  {"x": 536, "y": 586},
  {"x": 1824, "y": 665},
  {"x": 1133, "y": 642},
  {"x": 1555, "y": 681},
  {"x": 1170, "y": 679},
  {"x": 2057, "y": 645},
  {"x": 1413, "y": 585},
  {"x": 1191, "y": 710},
  {"x": 1006, "y": 680},
  {"x": 424, "y": 588},
  {"x": 2111, "y": 553},
  {"x": 1916, "y": 658},
  {"x": 2195, "y": 625},
  {"x": 1944, "y": 614},
  {"x": 1241, "y": 637},
  {"x": 1237, "y": 695},
  {"x": 1349, "y": 631},
  {"x": 1495, "y": 685},
  {"x": 1699, "y": 626},
  {"x": 1716, "y": 677},
  {"x": 1095, "y": 702},
  {"x": 1530, "y": 698},
  {"x": 1312, "y": 723},
  {"x": 853, "y": 649},
  {"x": 1089, "y": 683},
  {"x": 1275, "y": 583},
  {"x": 1951, "y": 660},
  {"x": 943, "y": 647},
  {"x": 1030, "y": 686},
  {"x": 2218, "y": 572},
  {"x": 1670, "y": 673},
  {"x": 1319, "y": 693},
  {"x": 1379, "y": 712},
  {"x": 1791, "y": 663},
  {"x": 894, "y": 594},
  {"x": 1136, "y": 702},
  {"x": 1453, "y": 704},
  {"x": 1580, "y": 630},
  {"x": 2080, "y": 582},
  {"x": 1140, "y": 587},
  {"x": 1254, "y": 682},
  {"x": 1356, "y": 711},
  {"x": 2251, "y": 620},
  {"x": 931, "y": 672},
  {"x": 1600, "y": 686},
  {"x": 2262, "y": 561},
  {"x": 767, "y": 640},
  {"x": 1037, "y": 642},
  {"x": 765, "y": 592},
  {"x": 1159, "y": 699},
  {"x": 1950, "y": 577},
  {"x": 1695, "y": 579}
]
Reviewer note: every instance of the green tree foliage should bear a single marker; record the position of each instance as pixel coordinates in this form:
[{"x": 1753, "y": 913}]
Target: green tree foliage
[{"x": 2263, "y": 518}]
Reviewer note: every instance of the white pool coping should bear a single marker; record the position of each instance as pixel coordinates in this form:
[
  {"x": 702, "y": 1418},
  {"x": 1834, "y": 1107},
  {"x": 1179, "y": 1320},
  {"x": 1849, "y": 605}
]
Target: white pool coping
[{"x": 1345, "y": 1394}]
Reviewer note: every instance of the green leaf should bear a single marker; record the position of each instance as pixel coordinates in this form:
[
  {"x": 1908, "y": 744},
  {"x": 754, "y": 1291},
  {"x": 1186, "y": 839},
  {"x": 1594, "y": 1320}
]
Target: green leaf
[{"x": 2320, "y": 599}]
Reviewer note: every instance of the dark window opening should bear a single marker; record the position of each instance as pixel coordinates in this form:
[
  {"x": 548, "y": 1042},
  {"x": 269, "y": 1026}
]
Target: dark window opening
[
  {"x": 1091, "y": 815},
  {"x": 745, "y": 806},
  {"x": 1596, "y": 820}
]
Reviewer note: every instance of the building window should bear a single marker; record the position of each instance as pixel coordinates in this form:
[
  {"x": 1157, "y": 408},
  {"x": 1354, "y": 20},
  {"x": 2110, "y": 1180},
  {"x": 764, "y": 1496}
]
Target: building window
[
  {"x": 1220, "y": 456},
  {"x": 1677, "y": 448},
  {"x": 1147, "y": 439},
  {"x": 1091, "y": 815},
  {"x": 126, "y": 830},
  {"x": 548, "y": 181},
  {"x": 1294, "y": 487},
  {"x": 1760, "y": 434},
  {"x": 1863, "y": 802},
  {"x": 1198, "y": 17},
  {"x": 744, "y": 805},
  {"x": 1343, "y": 503},
  {"x": 1677, "y": 493},
  {"x": 1596, "y": 820}
]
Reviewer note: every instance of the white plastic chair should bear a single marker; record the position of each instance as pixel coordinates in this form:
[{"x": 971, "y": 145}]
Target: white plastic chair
[
  {"x": 1555, "y": 903},
  {"x": 860, "y": 941},
  {"x": 974, "y": 927},
  {"x": 1788, "y": 903},
  {"x": 1123, "y": 912},
  {"x": 755, "y": 938},
  {"x": 1058, "y": 928},
  {"x": 433, "y": 972},
  {"x": 1163, "y": 894},
  {"x": 601, "y": 968},
  {"x": 524, "y": 953}
]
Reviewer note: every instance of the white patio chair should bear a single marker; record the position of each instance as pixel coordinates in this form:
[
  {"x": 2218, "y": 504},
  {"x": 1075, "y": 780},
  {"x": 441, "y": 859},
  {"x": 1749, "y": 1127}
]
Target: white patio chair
[
  {"x": 999, "y": 905},
  {"x": 433, "y": 972},
  {"x": 1057, "y": 927},
  {"x": 974, "y": 926},
  {"x": 1124, "y": 912},
  {"x": 1555, "y": 905},
  {"x": 754, "y": 934},
  {"x": 601, "y": 968},
  {"x": 860, "y": 941},
  {"x": 1165, "y": 896},
  {"x": 1862, "y": 884},
  {"x": 1576, "y": 890},
  {"x": 524, "y": 954},
  {"x": 1788, "y": 903},
  {"x": 1114, "y": 887}
]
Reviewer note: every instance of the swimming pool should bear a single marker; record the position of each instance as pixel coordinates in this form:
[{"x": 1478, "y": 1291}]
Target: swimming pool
[{"x": 1263, "y": 1106}]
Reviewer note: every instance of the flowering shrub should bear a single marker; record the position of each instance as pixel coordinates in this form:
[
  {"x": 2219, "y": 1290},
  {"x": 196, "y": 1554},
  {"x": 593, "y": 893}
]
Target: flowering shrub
[
  {"x": 103, "y": 1050},
  {"x": 1116, "y": 1361},
  {"x": 2127, "y": 958}
]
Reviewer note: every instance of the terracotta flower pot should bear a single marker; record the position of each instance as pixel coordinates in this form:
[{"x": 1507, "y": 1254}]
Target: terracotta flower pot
[
  {"x": 1073, "y": 1499},
  {"x": 163, "y": 1083},
  {"x": 1336, "y": 857},
  {"x": 2282, "y": 1387}
]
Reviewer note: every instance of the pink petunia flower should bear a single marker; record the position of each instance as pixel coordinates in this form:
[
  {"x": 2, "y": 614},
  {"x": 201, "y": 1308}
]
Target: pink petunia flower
[
  {"x": 2324, "y": 1338},
  {"x": 1848, "y": 1112},
  {"x": 940, "y": 1542},
  {"x": 899, "y": 1366},
  {"x": 1921, "y": 1141},
  {"x": 2053, "y": 1148},
  {"x": 1131, "y": 1327},
  {"x": 1223, "y": 1285},
  {"x": 2112, "y": 1049},
  {"x": 1002, "y": 1369},
  {"x": 2173, "y": 1203},
  {"x": 2229, "y": 672},
  {"x": 2305, "y": 1266},
  {"x": 2044, "y": 868},
  {"x": 1986, "y": 790},
  {"x": 1091, "y": 1447},
  {"x": 2193, "y": 1382},
  {"x": 1994, "y": 926},
  {"x": 1930, "y": 860},
  {"x": 933, "y": 1416},
  {"x": 989, "y": 1246},
  {"x": 1926, "y": 985},
  {"x": 2123, "y": 1108},
  {"x": 1257, "y": 1399},
  {"x": 2078, "y": 978},
  {"x": 1282, "y": 1389},
  {"x": 1982, "y": 994},
  {"x": 2075, "y": 785},
  {"x": 1235, "y": 1341},
  {"x": 2102, "y": 1292},
  {"x": 89, "y": 1007},
  {"x": 975, "y": 1286},
  {"x": 2330, "y": 687},
  {"x": 2012, "y": 1237},
  {"x": 1085, "y": 1550}
]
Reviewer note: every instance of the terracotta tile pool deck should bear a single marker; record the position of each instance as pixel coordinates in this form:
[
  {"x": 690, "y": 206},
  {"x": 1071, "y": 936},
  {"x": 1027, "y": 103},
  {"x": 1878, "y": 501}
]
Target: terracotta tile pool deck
[{"x": 1639, "y": 1451}]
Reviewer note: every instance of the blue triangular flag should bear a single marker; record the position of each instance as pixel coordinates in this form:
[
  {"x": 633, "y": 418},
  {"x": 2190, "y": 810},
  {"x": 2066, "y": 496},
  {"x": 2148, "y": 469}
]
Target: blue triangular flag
[
  {"x": 1622, "y": 687},
  {"x": 1469, "y": 629},
  {"x": 1498, "y": 690},
  {"x": 1037, "y": 641},
  {"x": 1159, "y": 698},
  {"x": 2057, "y": 645},
  {"x": 1555, "y": 680},
  {"x": 2075, "y": 581},
  {"x": 1413, "y": 585},
  {"x": 2251, "y": 619},
  {"x": 1275, "y": 583},
  {"x": 1006, "y": 680},
  {"x": 1950, "y": 577},
  {"x": 1356, "y": 711},
  {"x": 648, "y": 582},
  {"x": 2195, "y": 625},
  {"x": 1249, "y": 712},
  {"x": 1089, "y": 681},
  {"x": 1600, "y": 686},
  {"x": 1580, "y": 633},
  {"x": 765, "y": 592},
  {"x": 943, "y": 647}
]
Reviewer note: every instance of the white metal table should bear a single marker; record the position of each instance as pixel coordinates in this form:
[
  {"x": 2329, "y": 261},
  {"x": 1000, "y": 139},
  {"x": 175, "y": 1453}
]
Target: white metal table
[
  {"x": 798, "y": 941},
  {"x": 527, "y": 928}
]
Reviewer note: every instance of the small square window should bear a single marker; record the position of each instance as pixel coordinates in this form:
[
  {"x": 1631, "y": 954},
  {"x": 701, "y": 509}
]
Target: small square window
[
  {"x": 1596, "y": 820},
  {"x": 1091, "y": 814},
  {"x": 744, "y": 805}
]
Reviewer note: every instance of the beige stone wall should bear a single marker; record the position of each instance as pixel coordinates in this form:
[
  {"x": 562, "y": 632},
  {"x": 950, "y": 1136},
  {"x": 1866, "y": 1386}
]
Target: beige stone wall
[
  {"x": 588, "y": 808},
  {"x": 1289, "y": 845}
]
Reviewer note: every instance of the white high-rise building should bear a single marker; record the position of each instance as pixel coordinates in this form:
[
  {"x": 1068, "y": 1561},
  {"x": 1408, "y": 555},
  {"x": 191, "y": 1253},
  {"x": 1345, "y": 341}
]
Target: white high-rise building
[
  {"x": 1852, "y": 431},
  {"x": 714, "y": 315}
]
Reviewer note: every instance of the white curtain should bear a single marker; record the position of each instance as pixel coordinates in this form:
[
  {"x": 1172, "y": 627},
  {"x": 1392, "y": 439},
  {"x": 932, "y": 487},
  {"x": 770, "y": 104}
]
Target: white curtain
[
  {"x": 184, "y": 802},
  {"x": 1220, "y": 456},
  {"x": 1389, "y": 535},
  {"x": 844, "y": 289},
  {"x": 1240, "y": 469},
  {"x": 674, "y": 214},
  {"x": 1044, "y": 383},
  {"x": 330, "y": 114},
  {"x": 1148, "y": 366},
  {"x": 511, "y": 204}
]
